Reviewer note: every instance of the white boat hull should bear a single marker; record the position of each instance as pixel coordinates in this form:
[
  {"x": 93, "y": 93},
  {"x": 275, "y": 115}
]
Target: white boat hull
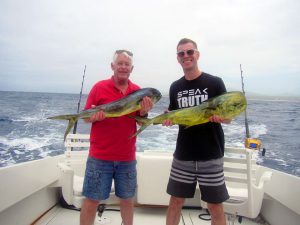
[{"x": 30, "y": 189}]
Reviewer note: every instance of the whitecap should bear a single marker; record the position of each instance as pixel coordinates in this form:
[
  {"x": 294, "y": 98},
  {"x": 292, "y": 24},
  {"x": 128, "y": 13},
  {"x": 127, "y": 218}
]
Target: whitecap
[{"x": 25, "y": 143}]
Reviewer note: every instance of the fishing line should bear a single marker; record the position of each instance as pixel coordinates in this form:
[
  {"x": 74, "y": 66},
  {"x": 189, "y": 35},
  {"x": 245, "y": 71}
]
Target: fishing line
[
  {"x": 78, "y": 104},
  {"x": 246, "y": 119}
]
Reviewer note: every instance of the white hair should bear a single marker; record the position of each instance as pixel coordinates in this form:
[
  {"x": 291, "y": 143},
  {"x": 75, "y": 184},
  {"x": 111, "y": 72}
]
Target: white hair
[{"x": 122, "y": 53}]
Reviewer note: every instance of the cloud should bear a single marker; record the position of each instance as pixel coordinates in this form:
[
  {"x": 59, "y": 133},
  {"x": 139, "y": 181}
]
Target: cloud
[{"x": 44, "y": 45}]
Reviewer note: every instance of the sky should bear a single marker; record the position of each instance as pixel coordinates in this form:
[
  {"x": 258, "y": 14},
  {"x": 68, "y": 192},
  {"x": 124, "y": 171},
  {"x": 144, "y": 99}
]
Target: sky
[{"x": 45, "y": 45}]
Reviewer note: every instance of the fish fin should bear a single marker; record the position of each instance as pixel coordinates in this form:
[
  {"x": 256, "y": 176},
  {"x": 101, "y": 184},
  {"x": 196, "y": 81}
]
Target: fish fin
[
  {"x": 72, "y": 118},
  {"x": 145, "y": 123},
  {"x": 143, "y": 127},
  {"x": 71, "y": 124},
  {"x": 140, "y": 120},
  {"x": 212, "y": 107}
]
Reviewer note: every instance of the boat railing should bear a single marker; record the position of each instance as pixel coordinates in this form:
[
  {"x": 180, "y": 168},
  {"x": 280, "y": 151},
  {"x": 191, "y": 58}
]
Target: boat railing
[
  {"x": 72, "y": 169},
  {"x": 244, "y": 182}
]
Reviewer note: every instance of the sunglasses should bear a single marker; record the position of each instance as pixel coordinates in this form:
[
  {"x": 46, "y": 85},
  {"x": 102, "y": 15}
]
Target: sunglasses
[
  {"x": 189, "y": 52},
  {"x": 122, "y": 51}
]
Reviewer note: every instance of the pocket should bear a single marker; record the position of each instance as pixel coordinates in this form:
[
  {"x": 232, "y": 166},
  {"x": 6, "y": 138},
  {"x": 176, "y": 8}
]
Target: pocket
[
  {"x": 132, "y": 180},
  {"x": 131, "y": 175}
]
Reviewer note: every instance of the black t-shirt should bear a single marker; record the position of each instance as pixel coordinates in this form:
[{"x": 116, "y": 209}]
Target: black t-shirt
[{"x": 203, "y": 141}]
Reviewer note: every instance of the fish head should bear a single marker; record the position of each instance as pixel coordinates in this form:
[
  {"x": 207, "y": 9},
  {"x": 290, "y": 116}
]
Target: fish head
[
  {"x": 153, "y": 94},
  {"x": 231, "y": 104}
]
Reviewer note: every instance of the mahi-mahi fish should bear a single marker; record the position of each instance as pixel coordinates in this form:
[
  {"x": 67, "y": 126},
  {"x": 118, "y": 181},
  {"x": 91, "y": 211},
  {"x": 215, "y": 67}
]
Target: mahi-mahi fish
[
  {"x": 121, "y": 107},
  {"x": 227, "y": 106}
]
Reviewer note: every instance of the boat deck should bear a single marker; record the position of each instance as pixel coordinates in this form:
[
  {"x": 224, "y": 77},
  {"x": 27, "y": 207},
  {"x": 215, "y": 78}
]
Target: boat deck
[{"x": 142, "y": 216}]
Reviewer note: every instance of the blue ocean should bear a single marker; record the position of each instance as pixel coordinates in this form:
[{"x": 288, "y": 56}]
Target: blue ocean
[{"x": 26, "y": 133}]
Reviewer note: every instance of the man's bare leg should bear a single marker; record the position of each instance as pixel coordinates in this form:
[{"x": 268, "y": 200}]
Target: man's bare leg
[
  {"x": 174, "y": 210},
  {"x": 126, "y": 207},
  {"x": 217, "y": 214},
  {"x": 88, "y": 211}
]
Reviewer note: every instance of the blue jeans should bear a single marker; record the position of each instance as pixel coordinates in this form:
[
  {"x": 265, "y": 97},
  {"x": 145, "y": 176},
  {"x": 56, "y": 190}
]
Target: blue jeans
[{"x": 100, "y": 173}]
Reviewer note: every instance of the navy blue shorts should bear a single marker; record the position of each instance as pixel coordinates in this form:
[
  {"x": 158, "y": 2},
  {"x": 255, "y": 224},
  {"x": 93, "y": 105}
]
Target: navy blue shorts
[{"x": 99, "y": 175}]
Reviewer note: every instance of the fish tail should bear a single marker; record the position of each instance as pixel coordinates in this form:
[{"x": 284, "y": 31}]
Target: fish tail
[
  {"x": 140, "y": 120},
  {"x": 72, "y": 118},
  {"x": 144, "y": 122}
]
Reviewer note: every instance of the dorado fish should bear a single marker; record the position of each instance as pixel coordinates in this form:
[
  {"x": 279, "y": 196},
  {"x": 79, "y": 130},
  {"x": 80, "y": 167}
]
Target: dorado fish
[
  {"x": 121, "y": 107},
  {"x": 227, "y": 106}
]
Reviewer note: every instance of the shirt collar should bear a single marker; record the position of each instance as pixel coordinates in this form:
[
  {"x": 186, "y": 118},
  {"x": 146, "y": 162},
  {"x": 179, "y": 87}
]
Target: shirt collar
[{"x": 129, "y": 88}]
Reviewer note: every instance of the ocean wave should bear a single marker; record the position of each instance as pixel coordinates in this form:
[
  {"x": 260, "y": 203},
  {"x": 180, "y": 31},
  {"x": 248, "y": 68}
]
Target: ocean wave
[
  {"x": 26, "y": 134},
  {"x": 5, "y": 119},
  {"x": 24, "y": 144}
]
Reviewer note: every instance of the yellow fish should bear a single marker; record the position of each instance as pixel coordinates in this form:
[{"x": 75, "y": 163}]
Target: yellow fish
[{"x": 227, "y": 106}]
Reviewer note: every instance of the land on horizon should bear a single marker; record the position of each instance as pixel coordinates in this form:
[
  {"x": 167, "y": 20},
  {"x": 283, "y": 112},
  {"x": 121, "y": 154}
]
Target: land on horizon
[{"x": 250, "y": 95}]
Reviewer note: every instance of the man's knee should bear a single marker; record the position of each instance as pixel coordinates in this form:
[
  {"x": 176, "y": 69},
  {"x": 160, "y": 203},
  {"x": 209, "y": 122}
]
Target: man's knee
[
  {"x": 127, "y": 201},
  {"x": 90, "y": 203},
  {"x": 215, "y": 209},
  {"x": 175, "y": 201}
]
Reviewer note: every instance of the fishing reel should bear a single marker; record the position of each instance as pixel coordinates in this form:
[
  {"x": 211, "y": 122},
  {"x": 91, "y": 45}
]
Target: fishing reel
[{"x": 254, "y": 144}]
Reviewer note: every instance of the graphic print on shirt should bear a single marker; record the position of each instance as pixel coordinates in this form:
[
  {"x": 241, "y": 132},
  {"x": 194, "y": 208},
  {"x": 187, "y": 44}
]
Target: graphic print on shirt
[{"x": 191, "y": 97}]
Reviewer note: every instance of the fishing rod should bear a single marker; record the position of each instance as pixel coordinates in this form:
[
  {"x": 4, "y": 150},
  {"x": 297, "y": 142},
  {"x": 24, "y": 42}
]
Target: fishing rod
[
  {"x": 249, "y": 142},
  {"x": 246, "y": 119},
  {"x": 78, "y": 105}
]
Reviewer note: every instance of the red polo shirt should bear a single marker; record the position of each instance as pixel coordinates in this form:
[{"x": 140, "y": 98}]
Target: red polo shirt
[{"x": 110, "y": 137}]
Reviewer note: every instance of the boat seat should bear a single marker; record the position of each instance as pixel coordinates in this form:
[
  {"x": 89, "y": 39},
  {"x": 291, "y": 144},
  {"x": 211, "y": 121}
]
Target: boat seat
[
  {"x": 153, "y": 171},
  {"x": 72, "y": 170},
  {"x": 77, "y": 185},
  {"x": 245, "y": 183}
]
